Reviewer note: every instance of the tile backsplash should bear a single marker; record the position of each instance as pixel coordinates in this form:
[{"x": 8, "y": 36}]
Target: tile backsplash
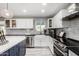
[
  {"x": 73, "y": 27},
  {"x": 18, "y": 31}
]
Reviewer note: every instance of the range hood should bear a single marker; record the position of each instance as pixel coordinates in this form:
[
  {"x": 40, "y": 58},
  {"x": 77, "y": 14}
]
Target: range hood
[
  {"x": 72, "y": 11},
  {"x": 73, "y": 8}
]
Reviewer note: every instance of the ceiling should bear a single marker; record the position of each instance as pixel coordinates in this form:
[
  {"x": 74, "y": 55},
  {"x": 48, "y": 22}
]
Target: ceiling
[{"x": 34, "y": 9}]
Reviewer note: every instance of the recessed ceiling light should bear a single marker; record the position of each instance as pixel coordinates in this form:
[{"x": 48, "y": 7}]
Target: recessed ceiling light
[
  {"x": 42, "y": 10},
  {"x": 24, "y": 11},
  {"x": 44, "y": 4}
]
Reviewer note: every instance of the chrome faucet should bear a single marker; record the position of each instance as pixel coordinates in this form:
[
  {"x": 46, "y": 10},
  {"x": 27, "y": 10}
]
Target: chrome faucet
[{"x": 2, "y": 38}]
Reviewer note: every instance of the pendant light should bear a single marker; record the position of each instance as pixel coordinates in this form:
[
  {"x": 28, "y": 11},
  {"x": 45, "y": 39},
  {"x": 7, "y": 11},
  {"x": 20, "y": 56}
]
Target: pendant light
[{"x": 6, "y": 13}]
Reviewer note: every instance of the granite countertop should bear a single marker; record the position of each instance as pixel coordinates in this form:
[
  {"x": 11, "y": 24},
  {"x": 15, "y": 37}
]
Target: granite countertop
[
  {"x": 26, "y": 34},
  {"x": 13, "y": 40},
  {"x": 75, "y": 37}
]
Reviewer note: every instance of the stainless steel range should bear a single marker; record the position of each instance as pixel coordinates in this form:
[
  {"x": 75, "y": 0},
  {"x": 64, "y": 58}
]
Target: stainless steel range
[{"x": 60, "y": 49}]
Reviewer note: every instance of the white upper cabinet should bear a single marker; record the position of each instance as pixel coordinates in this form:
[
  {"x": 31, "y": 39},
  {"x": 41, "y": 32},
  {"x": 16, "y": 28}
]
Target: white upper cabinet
[
  {"x": 17, "y": 23},
  {"x": 24, "y": 23},
  {"x": 57, "y": 19},
  {"x": 65, "y": 13},
  {"x": 49, "y": 22}
]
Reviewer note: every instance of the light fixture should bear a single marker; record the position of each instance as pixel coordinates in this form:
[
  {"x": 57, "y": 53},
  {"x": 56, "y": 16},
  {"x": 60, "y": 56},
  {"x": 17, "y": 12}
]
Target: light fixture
[
  {"x": 72, "y": 7},
  {"x": 42, "y": 10},
  {"x": 24, "y": 11},
  {"x": 6, "y": 13},
  {"x": 44, "y": 4}
]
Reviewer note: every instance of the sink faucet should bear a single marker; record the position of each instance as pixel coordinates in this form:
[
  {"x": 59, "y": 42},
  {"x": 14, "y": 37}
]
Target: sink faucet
[{"x": 2, "y": 36}]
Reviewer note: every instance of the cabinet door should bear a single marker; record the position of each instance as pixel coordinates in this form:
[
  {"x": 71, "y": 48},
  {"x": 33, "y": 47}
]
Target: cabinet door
[
  {"x": 13, "y": 23},
  {"x": 10, "y": 23},
  {"x": 22, "y": 48},
  {"x": 37, "y": 42},
  {"x": 17, "y": 50},
  {"x": 7, "y": 23},
  {"x": 50, "y": 22},
  {"x": 14, "y": 51},
  {"x": 24, "y": 23},
  {"x": 22, "y": 51},
  {"x": 22, "y": 44}
]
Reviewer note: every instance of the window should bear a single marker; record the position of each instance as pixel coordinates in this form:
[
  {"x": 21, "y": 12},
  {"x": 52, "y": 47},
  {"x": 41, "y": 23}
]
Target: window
[{"x": 40, "y": 25}]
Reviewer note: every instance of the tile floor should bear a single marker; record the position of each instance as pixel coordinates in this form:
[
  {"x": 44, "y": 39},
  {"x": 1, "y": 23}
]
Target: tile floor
[{"x": 38, "y": 52}]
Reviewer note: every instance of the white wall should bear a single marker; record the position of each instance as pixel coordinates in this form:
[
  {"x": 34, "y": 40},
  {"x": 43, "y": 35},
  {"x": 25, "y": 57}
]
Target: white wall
[{"x": 73, "y": 27}]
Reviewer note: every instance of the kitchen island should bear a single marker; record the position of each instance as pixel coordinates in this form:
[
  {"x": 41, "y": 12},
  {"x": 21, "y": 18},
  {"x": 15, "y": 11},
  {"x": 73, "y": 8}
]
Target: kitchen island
[{"x": 15, "y": 46}]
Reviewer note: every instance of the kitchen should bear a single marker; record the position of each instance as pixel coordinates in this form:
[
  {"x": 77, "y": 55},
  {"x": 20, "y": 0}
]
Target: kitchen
[{"x": 39, "y": 29}]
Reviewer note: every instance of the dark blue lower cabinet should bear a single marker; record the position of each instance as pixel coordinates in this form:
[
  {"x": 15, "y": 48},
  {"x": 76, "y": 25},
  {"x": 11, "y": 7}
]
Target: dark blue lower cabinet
[
  {"x": 22, "y": 51},
  {"x": 17, "y": 50},
  {"x": 14, "y": 51},
  {"x": 22, "y": 48},
  {"x": 6, "y": 53}
]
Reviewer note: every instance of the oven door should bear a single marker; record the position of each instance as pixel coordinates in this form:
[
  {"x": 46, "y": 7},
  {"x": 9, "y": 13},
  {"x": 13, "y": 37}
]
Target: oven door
[{"x": 57, "y": 52}]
